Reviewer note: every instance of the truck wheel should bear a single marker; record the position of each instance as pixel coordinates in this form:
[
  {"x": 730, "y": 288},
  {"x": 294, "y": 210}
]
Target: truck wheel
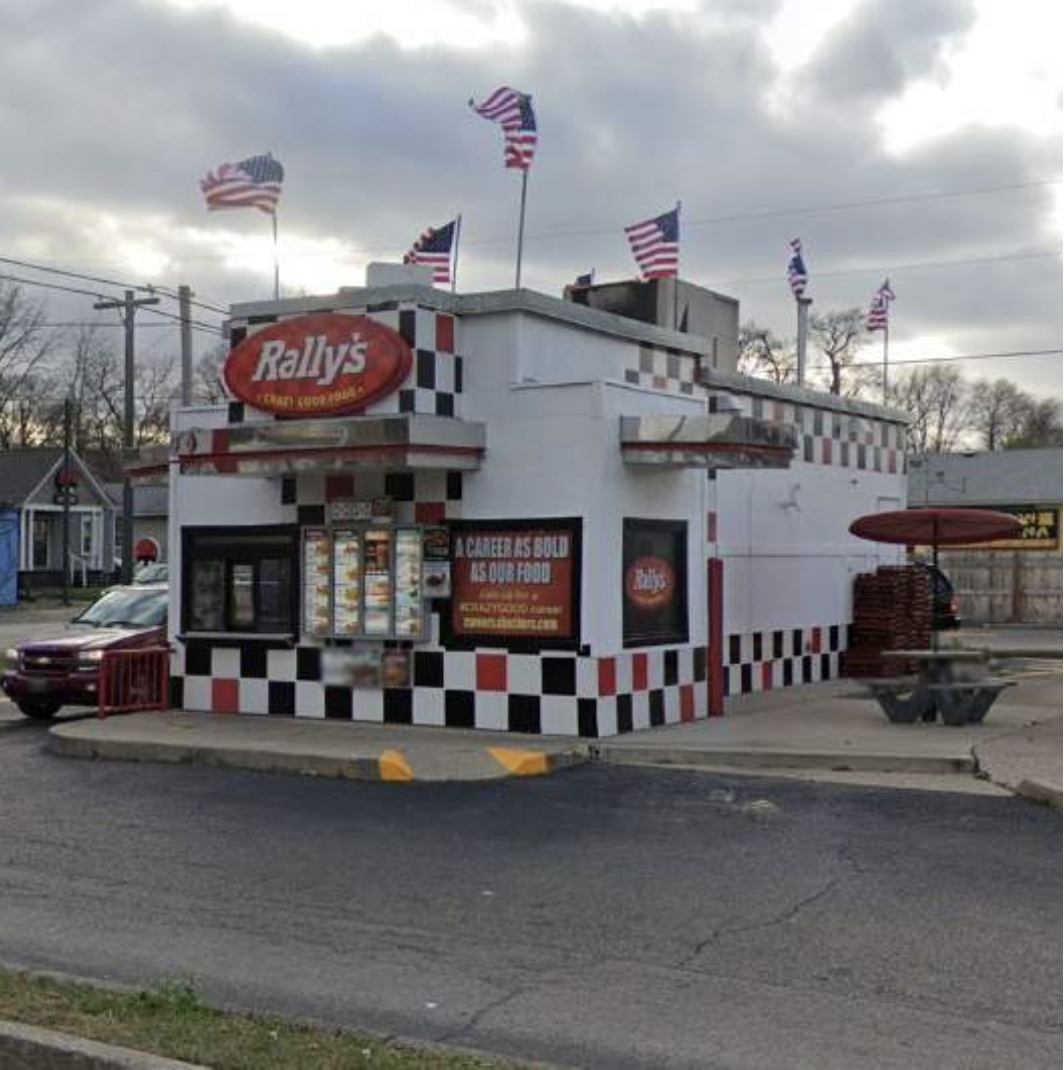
[{"x": 39, "y": 711}]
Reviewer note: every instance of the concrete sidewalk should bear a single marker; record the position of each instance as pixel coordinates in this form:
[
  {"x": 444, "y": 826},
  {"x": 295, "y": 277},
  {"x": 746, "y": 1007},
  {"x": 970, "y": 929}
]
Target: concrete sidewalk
[
  {"x": 831, "y": 731},
  {"x": 400, "y": 753},
  {"x": 834, "y": 731}
]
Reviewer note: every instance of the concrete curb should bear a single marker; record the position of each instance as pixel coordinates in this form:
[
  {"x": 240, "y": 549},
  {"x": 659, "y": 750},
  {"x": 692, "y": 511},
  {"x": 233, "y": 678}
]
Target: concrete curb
[
  {"x": 391, "y": 765},
  {"x": 67, "y": 746},
  {"x": 813, "y": 760},
  {"x": 1040, "y": 791},
  {"x": 28, "y": 1047},
  {"x": 1035, "y": 653}
]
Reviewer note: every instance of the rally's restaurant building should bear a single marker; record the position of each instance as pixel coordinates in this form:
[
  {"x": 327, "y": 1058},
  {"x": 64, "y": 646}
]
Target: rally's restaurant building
[{"x": 509, "y": 511}]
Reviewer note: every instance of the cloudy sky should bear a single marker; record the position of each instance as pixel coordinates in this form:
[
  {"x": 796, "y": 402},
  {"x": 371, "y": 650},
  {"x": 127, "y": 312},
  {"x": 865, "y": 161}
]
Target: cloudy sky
[{"x": 768, "y": 119}]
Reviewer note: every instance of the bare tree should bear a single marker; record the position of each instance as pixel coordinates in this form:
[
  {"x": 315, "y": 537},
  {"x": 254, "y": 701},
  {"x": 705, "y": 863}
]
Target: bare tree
[
  {"x": 996, "y": 411},
  {"x": 935, "y": 400},
  {"x": 838, "y": 336},
  {"x": 1040, "y": 427},
  {"x": 25, "y": 346},
  {"x": 764, "y": 356},
  {"x": 207, "y": 384}
]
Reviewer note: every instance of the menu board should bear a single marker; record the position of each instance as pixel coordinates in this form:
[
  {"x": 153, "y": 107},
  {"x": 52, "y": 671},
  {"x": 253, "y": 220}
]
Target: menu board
[
  {"x": 347, "y": 583},
  {"x": 378, "y": 582},
  {"x": 316, "y": 581},
  {"x": 408, "y": 616}
]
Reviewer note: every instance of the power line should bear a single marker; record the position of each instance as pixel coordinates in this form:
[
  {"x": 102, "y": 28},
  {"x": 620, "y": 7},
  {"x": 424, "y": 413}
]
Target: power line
[
  {"x": 738, "y": 217},
  {"x": 98, "y": 323},
  {"x": 811, "y": 209},
  {"x": 916, "y": 265},
  {"x": 145, "y": 288},
  {"x": 196, "y": 324},
  {"x": 1018, "y": 353}
]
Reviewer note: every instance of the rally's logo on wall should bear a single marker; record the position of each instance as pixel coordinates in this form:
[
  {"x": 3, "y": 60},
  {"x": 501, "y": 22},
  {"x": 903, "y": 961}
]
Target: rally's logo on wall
[
  {"x": 320, "y": 365},
  {"x": 649, "y": 582}
]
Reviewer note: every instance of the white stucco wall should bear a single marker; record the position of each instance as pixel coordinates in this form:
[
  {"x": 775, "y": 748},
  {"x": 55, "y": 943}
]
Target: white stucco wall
[
  {"x": 789, "y": 560},
  {"x": 212, "y": 500},
  {"x": 554, "y": 450}
]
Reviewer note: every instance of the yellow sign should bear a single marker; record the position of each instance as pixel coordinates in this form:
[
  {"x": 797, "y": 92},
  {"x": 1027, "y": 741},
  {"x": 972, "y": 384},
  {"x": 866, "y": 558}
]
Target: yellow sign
[{"x": 1041, "y": 529}]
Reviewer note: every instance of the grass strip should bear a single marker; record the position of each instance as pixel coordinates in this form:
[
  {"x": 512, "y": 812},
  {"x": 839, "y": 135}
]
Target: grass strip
[{"x": 172, "y": 1020}]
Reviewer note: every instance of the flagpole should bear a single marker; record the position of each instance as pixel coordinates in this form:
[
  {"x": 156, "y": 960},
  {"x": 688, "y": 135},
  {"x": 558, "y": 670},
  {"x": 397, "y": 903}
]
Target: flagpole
[
  {"x": 676, "y": 278},
  {"x": 521, "y": 226},
  {"x": 276, "y": 263},
  {"x": 457, "y": 239},
  {"x": 886, "y": 337},
  {"x": 802, "y": 304}
]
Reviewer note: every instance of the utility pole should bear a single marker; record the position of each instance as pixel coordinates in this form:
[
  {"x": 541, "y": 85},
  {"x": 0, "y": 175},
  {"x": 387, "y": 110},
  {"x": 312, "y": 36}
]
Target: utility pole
[
  {"x": 184, "y": 298},
  {"x": 127, "y": 310},
  {"x": 65, "y": 489}
]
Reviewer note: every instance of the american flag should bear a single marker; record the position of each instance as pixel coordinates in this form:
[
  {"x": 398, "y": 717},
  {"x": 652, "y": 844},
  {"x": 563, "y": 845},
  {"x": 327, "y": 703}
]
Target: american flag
[
  {"x": 434, "y": 248},
  {"x": 252, "y": 183},
  {"x": 513, "y": 112},
  {"x": 656, "y": 245},
  {"x": 878, "y": 314},
  {"x": 582, "y": 282},
  {"x": 796, "y": 273}
]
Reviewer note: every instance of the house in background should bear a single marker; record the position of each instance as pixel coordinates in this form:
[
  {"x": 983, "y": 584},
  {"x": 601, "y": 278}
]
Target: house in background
[
  {"x": 150, "y": 518},
  {"x": 33, "y": 486},
  {"x": 1016, "y": 580}
]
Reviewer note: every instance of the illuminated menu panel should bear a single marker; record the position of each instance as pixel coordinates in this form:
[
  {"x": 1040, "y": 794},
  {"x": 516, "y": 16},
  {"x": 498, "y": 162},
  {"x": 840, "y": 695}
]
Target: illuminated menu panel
[
  {"x": 408, "y": 614},
  {"x": 378, "y": 582},
  {"x": 347, "y": 583},
  {"x": 316, "y": 582}
]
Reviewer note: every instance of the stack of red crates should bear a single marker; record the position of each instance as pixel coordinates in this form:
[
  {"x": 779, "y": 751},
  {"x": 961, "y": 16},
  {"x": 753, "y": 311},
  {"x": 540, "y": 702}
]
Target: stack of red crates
[{"x": 891, "y": 611}]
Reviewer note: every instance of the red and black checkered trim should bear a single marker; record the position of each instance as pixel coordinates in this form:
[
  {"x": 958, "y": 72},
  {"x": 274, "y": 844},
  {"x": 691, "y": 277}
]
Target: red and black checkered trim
[
  {"x": 764, "y": 660},
  {"x": 551, "y": 693}
]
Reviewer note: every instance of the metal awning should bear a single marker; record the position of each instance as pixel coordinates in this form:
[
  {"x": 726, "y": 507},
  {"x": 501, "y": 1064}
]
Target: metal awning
[
  {"x": 711, "y": 440},
  {"x": 398, "y": 442}
]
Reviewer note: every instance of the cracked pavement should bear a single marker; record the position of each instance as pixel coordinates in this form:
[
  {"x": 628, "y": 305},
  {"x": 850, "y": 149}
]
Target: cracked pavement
[{"x": 608, "y": 917}]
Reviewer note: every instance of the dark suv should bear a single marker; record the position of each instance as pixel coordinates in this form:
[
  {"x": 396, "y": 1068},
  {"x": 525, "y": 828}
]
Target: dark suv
[
  {"x": 41, "y": 675},
  {"x": 945, "y": 608}
]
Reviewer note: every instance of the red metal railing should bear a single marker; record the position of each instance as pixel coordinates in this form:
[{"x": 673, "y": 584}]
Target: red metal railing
[{"x": 134, "y": 680}]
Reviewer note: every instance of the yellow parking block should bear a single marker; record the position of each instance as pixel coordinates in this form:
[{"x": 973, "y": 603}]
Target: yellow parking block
[
  {"x": 521, "y": 762},
  {"x": 394, "y": 766}
]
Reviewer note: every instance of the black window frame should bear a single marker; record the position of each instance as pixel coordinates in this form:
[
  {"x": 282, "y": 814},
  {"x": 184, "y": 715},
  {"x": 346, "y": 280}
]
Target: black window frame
[
  {"x": 677, "y": 529},
  {"x": 243, "y": 545}
]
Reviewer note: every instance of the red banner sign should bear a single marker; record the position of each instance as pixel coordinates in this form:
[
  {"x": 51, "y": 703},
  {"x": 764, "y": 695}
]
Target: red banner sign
[
  {"x": 649, "y": 582},
  {"x": 320, "y": 365},
  {"x": 514, "y": 582}
]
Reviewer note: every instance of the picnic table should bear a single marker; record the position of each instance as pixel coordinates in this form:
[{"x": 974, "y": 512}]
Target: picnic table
[{"x": 951, "y": 683}]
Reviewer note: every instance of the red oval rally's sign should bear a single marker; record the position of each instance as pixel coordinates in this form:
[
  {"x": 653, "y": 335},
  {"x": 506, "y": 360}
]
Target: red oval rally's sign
[
  {"x": 649, "y": 582},
  {"x": 320, "y": 365}
]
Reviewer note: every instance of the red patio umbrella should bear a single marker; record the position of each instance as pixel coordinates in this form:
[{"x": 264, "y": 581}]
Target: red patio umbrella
[{"x": 936, "y": 527}]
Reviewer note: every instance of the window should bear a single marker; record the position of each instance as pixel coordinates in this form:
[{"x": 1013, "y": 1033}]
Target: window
[
  {"x": 41, "y": 541},
  {"x": 126, "y": 607},
  {"x": 85, "y": 542},
  {"x": 240, "y": 581},
  {"x": 654, "y": 582}
]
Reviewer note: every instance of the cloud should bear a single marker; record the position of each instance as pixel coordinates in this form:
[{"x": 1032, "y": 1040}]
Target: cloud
[
  {"x": 882, "y": 46},
  {"x": 139, "y": 100}
]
